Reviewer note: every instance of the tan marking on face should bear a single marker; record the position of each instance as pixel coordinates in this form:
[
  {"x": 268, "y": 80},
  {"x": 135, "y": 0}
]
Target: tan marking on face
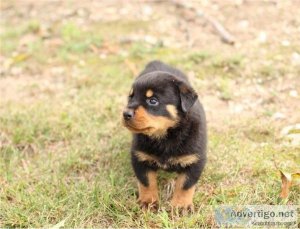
[
  {"x": 149, "y": 194},
  {"x": 131, "y": 92},
  {"x": 149, "y": 93},
  {"x": 151, "y": 125},
  {"x": 184, "y": 161},
  {"x": 172, "y": 111},
  {"x": 182, "y": 198}
]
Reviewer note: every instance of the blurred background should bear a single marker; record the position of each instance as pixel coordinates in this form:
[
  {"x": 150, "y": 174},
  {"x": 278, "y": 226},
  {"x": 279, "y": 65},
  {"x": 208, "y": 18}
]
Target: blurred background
[{"x": 65, "y": 71}]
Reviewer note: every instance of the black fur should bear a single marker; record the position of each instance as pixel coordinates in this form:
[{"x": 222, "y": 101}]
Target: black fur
[{"x": 187, "y": 137}]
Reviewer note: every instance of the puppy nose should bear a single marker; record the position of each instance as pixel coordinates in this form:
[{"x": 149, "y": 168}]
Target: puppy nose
[{"x": 128, "y": 114}]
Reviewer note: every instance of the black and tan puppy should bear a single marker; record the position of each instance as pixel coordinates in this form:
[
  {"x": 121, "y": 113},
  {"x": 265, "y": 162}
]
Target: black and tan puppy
[{"x": 169, "y": 129}]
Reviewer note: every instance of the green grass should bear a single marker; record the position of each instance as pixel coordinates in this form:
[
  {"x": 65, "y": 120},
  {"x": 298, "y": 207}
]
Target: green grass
[{"x": 64, "y": 154}]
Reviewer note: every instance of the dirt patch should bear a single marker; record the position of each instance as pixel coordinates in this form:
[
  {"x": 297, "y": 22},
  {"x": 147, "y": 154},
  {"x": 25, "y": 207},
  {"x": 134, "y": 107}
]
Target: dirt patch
[{"x": 260, "y": 28}]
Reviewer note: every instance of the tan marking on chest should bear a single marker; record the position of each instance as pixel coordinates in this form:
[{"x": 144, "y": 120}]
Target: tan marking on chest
[
  {"x": 146, "y": 157},
  {"x": 184, "y": 161},
  {"x": 150, "y": 159}
]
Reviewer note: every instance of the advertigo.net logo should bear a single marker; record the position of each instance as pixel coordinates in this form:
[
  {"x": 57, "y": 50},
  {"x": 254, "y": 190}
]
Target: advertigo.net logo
[{"x": 257, "y": 215}]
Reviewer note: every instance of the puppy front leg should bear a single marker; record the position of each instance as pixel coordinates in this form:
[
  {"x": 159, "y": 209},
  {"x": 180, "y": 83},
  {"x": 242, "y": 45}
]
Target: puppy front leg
[
  {"x": 147, "y": 184},
  {"x": 183, "y": 196},
  {"x": 185, "y": 186},
  {"x": 148, "y": 194}
]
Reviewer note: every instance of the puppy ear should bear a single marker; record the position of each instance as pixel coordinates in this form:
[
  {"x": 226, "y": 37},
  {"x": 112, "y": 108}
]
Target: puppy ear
[{"x": 187, "y": 96}]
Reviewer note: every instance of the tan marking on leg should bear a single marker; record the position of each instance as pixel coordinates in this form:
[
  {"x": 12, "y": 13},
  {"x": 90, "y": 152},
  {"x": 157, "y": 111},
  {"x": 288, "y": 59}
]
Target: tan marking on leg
[
  {"x": 182, "y": 198},
  {"x": 149, "y": 93},
  {"x": 185, "y": 160},
  {"x": 149, "y": 195},
  {"x": 172, "y": 111}
]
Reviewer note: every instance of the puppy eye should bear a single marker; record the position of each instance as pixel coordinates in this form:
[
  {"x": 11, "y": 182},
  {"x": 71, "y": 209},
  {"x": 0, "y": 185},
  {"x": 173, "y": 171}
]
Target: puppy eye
[{"x": 152, "y": 101}]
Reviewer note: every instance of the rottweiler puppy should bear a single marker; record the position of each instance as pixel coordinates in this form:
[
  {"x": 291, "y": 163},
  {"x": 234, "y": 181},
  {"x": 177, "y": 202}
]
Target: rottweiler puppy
[{"x": 169, "y": 133}]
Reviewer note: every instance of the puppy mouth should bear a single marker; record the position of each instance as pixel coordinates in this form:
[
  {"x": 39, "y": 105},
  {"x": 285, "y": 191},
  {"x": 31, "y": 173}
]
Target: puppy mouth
[{"x": 134, "y": 129}]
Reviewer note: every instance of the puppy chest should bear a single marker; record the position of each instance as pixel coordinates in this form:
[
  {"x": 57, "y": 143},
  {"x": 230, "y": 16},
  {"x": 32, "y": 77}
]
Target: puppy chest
[{"x": 166, "y": 163}]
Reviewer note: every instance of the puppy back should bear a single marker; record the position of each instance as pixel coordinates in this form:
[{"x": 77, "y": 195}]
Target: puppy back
[{"x": 157, "y": 65}]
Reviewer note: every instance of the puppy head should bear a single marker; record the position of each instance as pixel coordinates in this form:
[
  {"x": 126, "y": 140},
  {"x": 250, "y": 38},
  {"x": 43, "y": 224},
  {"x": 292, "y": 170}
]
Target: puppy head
[{"x": 157, "y": 102}]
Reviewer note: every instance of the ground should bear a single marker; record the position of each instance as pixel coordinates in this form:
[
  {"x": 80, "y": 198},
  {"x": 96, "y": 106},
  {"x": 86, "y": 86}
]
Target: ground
[{"x": 66, "y": 69}]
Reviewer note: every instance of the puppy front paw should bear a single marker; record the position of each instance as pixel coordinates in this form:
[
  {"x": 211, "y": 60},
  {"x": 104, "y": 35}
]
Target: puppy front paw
[
  {"x": 182, "y": 204},
  {"x": 150, "y": 203}
]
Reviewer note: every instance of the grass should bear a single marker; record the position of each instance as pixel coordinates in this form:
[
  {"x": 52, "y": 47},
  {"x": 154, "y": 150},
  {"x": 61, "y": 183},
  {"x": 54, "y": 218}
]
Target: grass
[{"x": 64, "y": 153}]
